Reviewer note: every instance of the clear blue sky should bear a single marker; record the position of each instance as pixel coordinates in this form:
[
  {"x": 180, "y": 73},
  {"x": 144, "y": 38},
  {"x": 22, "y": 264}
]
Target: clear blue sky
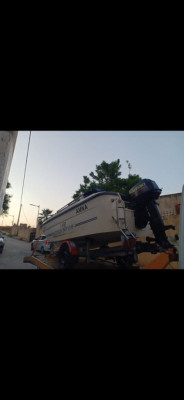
[{"x": 58, "y": 160}]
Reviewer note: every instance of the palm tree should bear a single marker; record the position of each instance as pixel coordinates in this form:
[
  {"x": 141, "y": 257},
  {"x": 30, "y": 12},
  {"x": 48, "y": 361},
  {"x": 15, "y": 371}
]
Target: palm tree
[{"x": 44, "y": 215}]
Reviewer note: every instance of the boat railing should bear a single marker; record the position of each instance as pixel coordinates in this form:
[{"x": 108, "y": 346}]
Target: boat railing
[
  {"x": 82, "y": 196},
  {"x": 70, "y": 204}
]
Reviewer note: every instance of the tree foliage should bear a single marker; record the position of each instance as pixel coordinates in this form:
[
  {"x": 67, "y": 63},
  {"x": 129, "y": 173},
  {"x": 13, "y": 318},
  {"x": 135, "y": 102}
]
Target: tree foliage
[
  {"x": 44, "y": 215},
  {"x": 107, "y": 176},
  {"x": 7, "y": 199}
]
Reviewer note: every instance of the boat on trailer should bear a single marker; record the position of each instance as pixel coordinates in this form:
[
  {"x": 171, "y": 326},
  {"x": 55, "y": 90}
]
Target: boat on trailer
[
  {"x": 101, "y": 217},
  {"x": 86, "y": 226}
]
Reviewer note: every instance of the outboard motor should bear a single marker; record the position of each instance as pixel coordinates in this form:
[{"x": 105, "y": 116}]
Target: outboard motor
[{"x": 142, "y": 199}]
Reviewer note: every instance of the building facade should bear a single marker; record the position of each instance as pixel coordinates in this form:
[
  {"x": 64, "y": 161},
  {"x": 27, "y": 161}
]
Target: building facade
[{"x": 7, "y": 146}]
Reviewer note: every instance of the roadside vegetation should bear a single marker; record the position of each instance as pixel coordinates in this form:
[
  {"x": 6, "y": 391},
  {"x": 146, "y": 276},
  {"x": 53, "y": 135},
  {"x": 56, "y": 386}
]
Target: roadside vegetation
[
  {"x": 44, "y": 215},
  {"x": 107, "y": 176},
  {"x": 7, "y": 199}
]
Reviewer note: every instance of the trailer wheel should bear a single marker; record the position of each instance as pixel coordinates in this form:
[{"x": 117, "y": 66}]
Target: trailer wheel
[{"x": 66, "y": 260}]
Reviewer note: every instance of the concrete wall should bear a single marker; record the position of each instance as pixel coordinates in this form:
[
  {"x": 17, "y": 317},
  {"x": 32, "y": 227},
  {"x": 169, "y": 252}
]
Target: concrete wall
[
  {"x": 5, "y": 229},
  {"x": 7, "y": 146},
  {"x": 168, "y": 204},
  {"x": 24, "y": 231}
]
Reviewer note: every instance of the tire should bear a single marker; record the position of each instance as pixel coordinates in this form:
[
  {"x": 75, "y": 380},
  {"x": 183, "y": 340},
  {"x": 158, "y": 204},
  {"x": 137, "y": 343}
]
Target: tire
[{"x": 66, "y": 260}]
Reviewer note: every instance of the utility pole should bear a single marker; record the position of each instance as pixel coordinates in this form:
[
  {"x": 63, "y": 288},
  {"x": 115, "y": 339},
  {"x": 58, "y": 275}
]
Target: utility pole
[{"x": 23, "y": 182}]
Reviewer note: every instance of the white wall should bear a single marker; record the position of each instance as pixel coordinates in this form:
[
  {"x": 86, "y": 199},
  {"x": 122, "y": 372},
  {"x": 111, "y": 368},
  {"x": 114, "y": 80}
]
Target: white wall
[{"x": 7, "y": 146}]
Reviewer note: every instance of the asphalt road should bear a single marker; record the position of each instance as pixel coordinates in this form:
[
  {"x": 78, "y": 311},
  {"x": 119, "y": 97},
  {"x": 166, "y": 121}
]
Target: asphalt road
[{"x": 13, "y": 254}]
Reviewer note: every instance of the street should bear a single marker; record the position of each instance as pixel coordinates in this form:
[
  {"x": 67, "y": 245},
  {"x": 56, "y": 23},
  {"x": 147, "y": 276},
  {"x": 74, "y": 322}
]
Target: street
[{"x": 13, "y": 254}]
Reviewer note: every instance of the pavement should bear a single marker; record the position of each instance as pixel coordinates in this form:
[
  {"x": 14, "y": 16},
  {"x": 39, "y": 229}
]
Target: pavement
[{"x": 13, "y": 254}]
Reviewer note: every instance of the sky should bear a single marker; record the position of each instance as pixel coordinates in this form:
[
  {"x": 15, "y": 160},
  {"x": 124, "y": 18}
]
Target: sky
[{"x": 57, "y": 161}]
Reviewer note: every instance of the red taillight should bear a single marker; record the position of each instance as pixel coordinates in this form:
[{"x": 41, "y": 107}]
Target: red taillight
[{"x": 47, "y": 242}]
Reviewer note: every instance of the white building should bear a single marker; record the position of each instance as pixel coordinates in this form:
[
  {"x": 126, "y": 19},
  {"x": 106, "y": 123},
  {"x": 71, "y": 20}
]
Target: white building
[{"x": 7, "y": 146}]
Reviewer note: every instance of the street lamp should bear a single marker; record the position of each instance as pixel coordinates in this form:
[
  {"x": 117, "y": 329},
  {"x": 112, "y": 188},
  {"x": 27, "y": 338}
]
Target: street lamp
[{"x": 34, "y": 205}]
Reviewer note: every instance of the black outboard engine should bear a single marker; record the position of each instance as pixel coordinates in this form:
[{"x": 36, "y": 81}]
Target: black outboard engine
[{"x": 142, "y": 199}]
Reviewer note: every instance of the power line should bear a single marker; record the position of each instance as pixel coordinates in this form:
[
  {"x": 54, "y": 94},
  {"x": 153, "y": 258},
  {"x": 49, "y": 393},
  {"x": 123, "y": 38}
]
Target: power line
[{"x": 24, "y": 179}]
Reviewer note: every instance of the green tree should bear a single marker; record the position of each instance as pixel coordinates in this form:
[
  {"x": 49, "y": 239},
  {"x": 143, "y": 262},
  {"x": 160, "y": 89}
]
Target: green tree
[
  {"x": 106, "y": 173},
  {"x": 44, "y": 215},
  {"x": 7, "y": 199},
  {"x": 107, "y": 176}
]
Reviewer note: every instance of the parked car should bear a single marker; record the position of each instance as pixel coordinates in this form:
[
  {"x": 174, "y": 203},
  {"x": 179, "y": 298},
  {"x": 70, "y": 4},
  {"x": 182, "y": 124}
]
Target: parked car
[
  {"x": 1, "y": 243},
  {"x": 32, "y": 236},
  {"x": 43, "y": 244}
]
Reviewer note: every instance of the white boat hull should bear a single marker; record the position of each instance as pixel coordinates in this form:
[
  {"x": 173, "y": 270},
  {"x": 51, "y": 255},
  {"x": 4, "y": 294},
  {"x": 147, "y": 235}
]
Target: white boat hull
[{"x": 98, "y": 217}]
